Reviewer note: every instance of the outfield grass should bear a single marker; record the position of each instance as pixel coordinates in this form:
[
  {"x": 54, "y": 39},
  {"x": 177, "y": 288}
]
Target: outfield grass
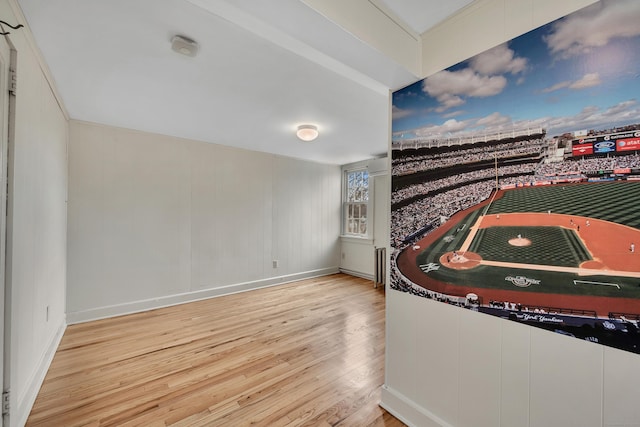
[{"x": 617, "y": 202}]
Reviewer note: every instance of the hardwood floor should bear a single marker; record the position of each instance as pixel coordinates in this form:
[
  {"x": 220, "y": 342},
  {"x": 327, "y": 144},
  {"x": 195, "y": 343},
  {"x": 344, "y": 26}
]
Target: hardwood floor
[{"x": 309, "y": 353}]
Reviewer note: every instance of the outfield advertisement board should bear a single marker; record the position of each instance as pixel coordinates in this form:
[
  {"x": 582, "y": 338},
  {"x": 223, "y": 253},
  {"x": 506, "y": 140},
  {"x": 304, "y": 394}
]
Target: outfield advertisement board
[
  {"x": 602, "y": 147},
  {"x": 620, "y": 142},
  {"x": 630, "y": 144},
  {"x": 582, "y": 149}
]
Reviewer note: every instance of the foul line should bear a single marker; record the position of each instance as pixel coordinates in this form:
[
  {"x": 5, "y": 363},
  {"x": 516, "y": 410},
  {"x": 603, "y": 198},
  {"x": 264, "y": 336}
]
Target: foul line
[
  {"x": 575, "y": 270},
  {"x": 472, "y": 234},
  {"x": 575, "y": 282},
  {"x": 475, "y": 227}
]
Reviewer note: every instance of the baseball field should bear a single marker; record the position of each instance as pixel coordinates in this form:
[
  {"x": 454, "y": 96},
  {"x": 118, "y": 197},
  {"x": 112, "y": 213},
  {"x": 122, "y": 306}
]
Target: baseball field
[{"x": 565, "y": 246}]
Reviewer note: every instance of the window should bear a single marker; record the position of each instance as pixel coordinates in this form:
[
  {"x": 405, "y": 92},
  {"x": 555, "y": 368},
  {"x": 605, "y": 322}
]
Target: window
[{"x": 355, "y": 203}]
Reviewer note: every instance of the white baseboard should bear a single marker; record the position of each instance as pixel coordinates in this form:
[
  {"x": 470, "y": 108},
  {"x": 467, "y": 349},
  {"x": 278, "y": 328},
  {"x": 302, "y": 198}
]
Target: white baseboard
[
  {"x": 169, "y": 300},
  {"x": 407, "y": 410},
  {"x": 24, "y": 403},
  {"x": 357, "y": 274}
]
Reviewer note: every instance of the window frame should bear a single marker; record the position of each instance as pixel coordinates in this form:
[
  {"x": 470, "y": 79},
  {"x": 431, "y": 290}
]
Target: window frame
[{"x": 346, "y": 205}]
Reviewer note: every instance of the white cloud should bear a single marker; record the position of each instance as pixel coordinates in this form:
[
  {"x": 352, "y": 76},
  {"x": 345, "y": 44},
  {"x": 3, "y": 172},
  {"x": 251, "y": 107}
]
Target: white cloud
[
  {"x": 398, "y": 113},
  {"x": 452, "y": 114},
  {"x": 595, "y": 26},
  {"x": 452, "y": 128},
  {"x": 464, "y": 82},
  {"x": 449, "y": 87},
  {"x": 623, "y": 108},
  {"x": 446, "y": 129},
  {"x": 493, "y": 120},
  {"x": 557, "y": 86},
  {"x": 588, "y": 80},
  {"x": 448, "y": 101},
  {"x": 592, "y": 117},
  {"x": 452, "y": 125},
  {"x": 625, "y": 111},
  {"x": 498, "y": 60},
  {"x": 482, "y": 79}
]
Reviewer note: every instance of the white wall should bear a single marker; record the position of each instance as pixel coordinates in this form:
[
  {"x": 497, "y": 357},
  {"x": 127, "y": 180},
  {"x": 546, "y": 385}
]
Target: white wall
[
  {"x": 447, "y": 366},
  {"x": 37, "y": 266},
  {"x": 357, "y": 257},
  {"x": 157, "y": 220}
]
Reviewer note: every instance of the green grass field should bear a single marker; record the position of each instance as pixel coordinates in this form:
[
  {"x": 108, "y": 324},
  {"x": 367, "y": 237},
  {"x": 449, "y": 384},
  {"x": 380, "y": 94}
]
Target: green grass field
[{"x": 617, "y": 202}]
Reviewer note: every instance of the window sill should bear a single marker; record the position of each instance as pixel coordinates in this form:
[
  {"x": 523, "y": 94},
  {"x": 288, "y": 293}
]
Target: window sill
[{"x": 356, "y": 239}]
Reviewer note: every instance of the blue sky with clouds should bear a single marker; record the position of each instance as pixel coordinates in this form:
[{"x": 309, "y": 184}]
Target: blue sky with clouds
[{"x": 579, "y": 72}]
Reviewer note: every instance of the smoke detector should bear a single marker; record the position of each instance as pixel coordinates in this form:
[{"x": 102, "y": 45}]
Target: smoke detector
[{"x": 184, "y": 45}]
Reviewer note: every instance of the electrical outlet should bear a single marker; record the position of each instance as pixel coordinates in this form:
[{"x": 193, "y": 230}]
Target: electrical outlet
[{"x": 275, "y": 263}]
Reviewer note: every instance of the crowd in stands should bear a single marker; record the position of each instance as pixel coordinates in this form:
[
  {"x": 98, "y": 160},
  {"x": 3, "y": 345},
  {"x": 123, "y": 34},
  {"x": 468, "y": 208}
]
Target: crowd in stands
[
  {"x": 437, "y": 209},
  {"x": 465, "y": 150},
  {"x": 588, "y": 164},
  {"x": 516, "y": 180},
  {"x": 516, "y": 306},
  {"x": 435, "y": 185},
  {"x": 418, "y": 163},
  {"x": 444, "y": 201},
  {"x": 513, "y": 306}
]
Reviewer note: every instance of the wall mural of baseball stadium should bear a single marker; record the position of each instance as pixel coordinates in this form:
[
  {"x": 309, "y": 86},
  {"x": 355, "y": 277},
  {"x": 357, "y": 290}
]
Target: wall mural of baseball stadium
[{"x": 516, "y": 179}]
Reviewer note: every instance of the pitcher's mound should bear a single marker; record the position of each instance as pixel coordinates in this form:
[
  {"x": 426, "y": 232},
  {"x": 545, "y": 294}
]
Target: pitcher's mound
[{"x": 520, "y": 241}]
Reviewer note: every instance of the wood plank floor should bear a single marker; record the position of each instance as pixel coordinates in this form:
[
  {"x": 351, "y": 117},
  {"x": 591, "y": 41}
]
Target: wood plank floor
[{"x": 309, "y": 353}]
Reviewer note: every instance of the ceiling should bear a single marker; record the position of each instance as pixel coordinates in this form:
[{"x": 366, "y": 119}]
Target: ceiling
[{"x": 262, "y": 69}]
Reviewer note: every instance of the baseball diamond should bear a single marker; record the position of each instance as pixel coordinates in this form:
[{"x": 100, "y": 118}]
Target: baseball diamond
[{"x": 546, "y": 245}]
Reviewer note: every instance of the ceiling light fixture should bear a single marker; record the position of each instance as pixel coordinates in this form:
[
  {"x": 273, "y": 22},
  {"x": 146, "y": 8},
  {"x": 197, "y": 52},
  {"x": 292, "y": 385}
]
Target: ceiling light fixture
[
  {"x": 307, "y": 132},
  {"x": 184, "y": 45}
]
